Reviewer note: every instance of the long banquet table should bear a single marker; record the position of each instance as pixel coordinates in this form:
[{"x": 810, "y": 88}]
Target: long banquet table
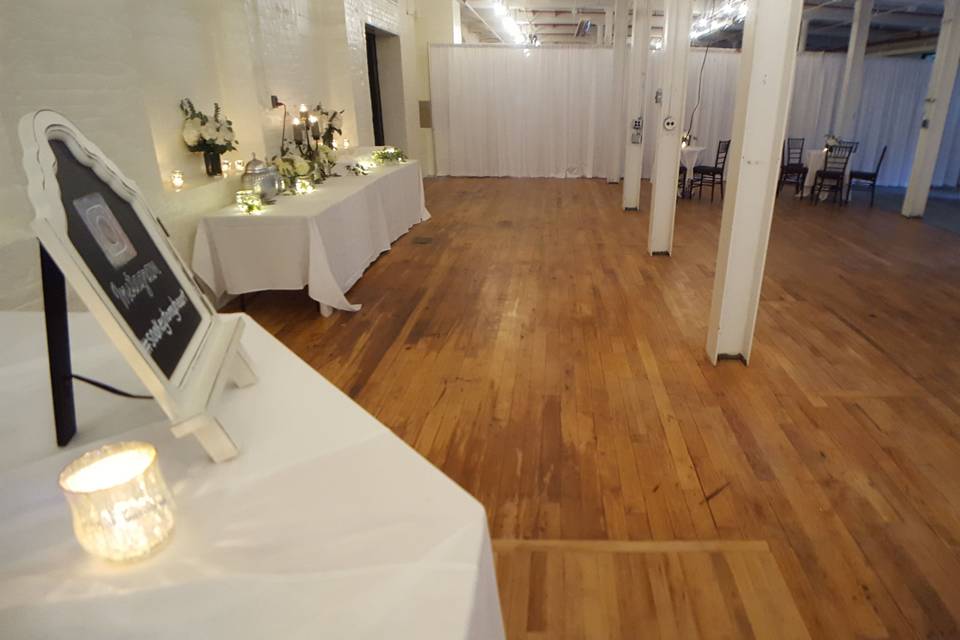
[
  {"x": 324, "y": 240},
  {"x": 326, "y": 525}
]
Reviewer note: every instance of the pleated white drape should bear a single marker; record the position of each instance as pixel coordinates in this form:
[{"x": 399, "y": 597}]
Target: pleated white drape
[
  {"x": 543, "y": 112},
  {"x": 505, "y": 111}
]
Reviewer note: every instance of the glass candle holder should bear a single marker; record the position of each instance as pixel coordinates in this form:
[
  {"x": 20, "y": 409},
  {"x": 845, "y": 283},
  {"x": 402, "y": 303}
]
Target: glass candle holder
[
  {"x": 176, "y": 179},
  {"x": 238, "y": 165},
  {"x": 122, "y": 509},
  {"x": 225, "y": 166},
  {"x": 242, "y": 196},
  {"x": 302, "y": 186}
]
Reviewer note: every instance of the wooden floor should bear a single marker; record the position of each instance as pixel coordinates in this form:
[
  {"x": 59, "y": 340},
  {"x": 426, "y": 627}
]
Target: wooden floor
[{"x": 524, "y": 342}]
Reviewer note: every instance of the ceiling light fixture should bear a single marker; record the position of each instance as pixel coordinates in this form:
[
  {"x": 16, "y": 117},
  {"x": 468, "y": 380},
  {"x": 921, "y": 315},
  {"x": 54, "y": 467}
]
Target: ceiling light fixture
[{"x": 723, "y": 17}]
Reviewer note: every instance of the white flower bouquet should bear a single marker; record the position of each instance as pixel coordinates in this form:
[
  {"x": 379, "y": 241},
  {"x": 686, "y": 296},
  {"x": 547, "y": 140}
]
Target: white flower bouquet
[{"x": 204, "y": 133}]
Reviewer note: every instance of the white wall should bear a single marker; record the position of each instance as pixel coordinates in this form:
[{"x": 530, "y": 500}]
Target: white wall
[{"x": 118, "y": 69}]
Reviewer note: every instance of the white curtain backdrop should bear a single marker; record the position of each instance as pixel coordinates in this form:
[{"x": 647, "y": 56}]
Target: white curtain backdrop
[
  {"x": 504, "y": 111},
  {"x": 543, "y": 112}
]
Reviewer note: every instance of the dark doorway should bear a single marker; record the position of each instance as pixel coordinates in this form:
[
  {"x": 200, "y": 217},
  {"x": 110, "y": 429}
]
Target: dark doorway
[{"x": 374, "y": 77}]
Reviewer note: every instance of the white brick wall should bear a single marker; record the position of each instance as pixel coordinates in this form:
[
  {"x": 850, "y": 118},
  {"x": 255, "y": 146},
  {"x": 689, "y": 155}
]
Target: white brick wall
[{"x": 118, "y": 68}]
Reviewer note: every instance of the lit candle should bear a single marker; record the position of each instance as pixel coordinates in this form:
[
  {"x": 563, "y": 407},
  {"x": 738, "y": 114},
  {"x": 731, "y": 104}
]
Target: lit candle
[
  {"x": 238, "y": 165},
  {"x": 346, "y": 143},
  {"x": 122, "y": 509},
  {"x": 225, "y": 166},
  {"x": 176, "y": 179},
  {"x": 314, "y": 127},
  {"x": 303, "y": 108},
  {"x": 297, "y": 130}
]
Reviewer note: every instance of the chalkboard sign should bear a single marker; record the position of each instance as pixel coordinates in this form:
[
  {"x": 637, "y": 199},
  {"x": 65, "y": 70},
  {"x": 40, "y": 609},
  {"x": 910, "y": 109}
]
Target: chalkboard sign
[
  {"x": 97, "y": 233},
  {"x": 115, "y": 246}
]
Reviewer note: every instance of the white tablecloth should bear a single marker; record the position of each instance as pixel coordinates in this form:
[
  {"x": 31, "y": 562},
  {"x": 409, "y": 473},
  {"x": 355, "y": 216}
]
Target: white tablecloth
[
  {"x": 324, "y": 240},
  {"x": 689, "y": 157},
  {"x": 326, "y": 526}
]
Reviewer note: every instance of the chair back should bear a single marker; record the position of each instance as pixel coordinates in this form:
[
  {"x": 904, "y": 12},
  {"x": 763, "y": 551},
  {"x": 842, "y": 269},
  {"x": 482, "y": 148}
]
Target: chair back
[
  {"x": 722, "y": 148},
  {"x": 793, "y": 151},
  {"x": 838, "y": 156},
  {"x": 853, "y": 144},
  {"x": 880, "y": 161}
]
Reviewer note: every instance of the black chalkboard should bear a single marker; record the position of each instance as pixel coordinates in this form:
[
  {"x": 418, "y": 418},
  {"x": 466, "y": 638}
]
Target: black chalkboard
[{"x": 112, "y": 241}]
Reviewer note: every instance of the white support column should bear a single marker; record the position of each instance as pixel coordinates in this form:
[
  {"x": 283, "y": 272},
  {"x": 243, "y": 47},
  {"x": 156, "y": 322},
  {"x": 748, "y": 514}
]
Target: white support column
[
  {"x": 935, "y": 109},
  {"x": 764, "y": 89},
  {"x": 668, "y": 124},
  {"x": 852, "y": 87},
  {"x": 617, "y": 121},
  {"x": 636, "y": 103},
  {"x": 804, "y": 31}
]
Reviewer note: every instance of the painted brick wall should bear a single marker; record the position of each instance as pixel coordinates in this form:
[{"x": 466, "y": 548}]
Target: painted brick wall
[{"x": 118, "y": 68}]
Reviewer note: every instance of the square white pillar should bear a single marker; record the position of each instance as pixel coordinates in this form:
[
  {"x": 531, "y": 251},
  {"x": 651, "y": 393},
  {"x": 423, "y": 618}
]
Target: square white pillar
[
  {"x": 935, "y": 109},
  {"x": 617, "y": 120},
  {"x": 636, "y": 102},
  {"x": 764, "y": 89},
  {"x": 668, "y": 124},
  {"x": 852, "y": 88}
]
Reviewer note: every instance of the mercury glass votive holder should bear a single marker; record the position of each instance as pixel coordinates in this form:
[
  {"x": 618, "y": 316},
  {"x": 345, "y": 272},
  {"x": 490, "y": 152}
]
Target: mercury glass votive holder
[
  {"x": 302, "y": 186},
  {"x": 242, "y": 196},
  {"x": 122, "y": 509}
]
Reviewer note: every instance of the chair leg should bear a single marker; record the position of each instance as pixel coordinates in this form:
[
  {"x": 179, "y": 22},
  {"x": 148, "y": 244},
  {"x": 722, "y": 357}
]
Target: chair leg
[
  {"x": 721, "y": 187},
  {"x": 873, "y": 192}
]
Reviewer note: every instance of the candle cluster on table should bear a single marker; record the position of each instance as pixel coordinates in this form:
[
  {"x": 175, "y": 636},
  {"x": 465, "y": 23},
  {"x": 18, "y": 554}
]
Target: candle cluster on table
[
  {"x": 121, "y": 507},
  {"x": 249, "y": 201},
  {"x": 176, "y": 179}
]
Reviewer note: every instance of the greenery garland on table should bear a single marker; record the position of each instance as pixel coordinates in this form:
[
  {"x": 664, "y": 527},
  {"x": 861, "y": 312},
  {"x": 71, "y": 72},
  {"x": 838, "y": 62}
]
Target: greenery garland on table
[{"x": 388, "y": 155}]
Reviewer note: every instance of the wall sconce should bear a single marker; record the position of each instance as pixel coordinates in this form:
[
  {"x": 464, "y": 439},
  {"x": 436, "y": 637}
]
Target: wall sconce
[
  {"x": 176, "y": 179},
  {"x": 122, "y": 509}
]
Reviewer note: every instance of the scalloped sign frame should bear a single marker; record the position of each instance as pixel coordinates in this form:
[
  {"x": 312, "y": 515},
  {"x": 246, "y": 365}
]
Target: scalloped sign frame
[{"x": 98, "y": 229}]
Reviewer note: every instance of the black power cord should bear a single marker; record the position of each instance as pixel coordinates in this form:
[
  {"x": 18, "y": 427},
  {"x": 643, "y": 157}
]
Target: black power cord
[
  {"x": 110, "y": 389},
  {"x": 699, "y": 92}
]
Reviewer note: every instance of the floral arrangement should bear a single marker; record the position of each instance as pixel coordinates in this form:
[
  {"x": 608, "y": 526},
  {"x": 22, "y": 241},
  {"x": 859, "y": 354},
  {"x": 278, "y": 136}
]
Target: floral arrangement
[
  {"x": 334, "y": 125},
  {"x": 831, "y": 141},
  {"x": 389, "y": 154},
  {"x": 204, "y": 133},
  {"x": 293, "y": 166}
]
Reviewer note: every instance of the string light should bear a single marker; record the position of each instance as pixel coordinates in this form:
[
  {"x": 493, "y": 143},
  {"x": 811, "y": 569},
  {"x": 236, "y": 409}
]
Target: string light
[{"x": 723, "y": 17}]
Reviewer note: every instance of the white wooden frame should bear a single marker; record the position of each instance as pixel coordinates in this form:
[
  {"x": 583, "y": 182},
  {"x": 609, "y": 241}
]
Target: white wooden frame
[{"x": 213, "y": 356}]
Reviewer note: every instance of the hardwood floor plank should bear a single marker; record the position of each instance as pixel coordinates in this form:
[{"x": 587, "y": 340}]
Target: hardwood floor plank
[{"x": 535, "y": 353}]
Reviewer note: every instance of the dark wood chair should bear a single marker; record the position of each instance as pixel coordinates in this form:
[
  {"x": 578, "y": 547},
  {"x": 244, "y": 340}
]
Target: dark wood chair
[
  {"x": 867, "y": 177},
  {"x": 707, "y": 175},
  {"x": 833, "y": 175},
  {"x": 682, "y": 182},
  {"x": 792, "y": 169}
]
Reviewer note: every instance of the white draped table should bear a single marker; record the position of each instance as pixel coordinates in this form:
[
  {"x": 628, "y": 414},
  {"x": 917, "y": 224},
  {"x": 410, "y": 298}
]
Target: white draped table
[
  {"x": 326, "y": 526},
  {"x": 324, "y": 240}
]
